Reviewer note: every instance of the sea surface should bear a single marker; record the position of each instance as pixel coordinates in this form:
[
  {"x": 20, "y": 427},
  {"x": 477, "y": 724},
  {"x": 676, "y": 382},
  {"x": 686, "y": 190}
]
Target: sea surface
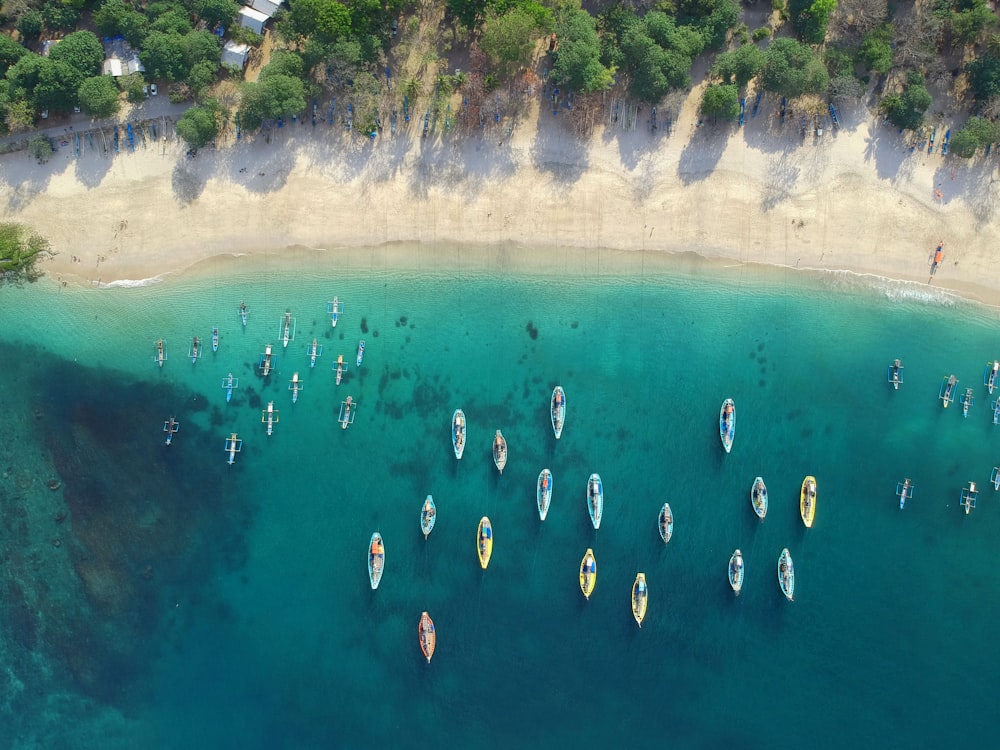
[{"x": 160, "y": 598}]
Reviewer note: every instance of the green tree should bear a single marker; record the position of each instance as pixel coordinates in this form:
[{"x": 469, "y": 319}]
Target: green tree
[
  {"x": 721, "y": 100},
  {"x": 82, "y": 50},
  {"x": 30, "y": 24},
  {"x": 792, "y": 69},
  {"x": 41, "y": 148},
  {"x": 713, "y": 17},
  {"x": 577, "y": 59},
  {"x": 344, "y": 62},
  {"x": 978, "y": 131},
  {"x": 116, "y": 17},
  {"x": 174, "y": 21},
  {"x": 202, "y": 76},
  {"x": 199, "y": 126},
  {"x": 271, "y": 98},
  {"x": 57, "y": 87},
  {"x": 23, "y": 76},
  {"x": 510, "y": 39},
  {"x": 19, "y": 116},
  {"x": 984, "y": 76},
  {"x": 98, "y": 96},
  {"x": 329, "y": 20},
  {"x": 10, "y": 53},
  {"x": 201, "y": 45},
  {"x": 163, "y": 56},
  {"x": 20, "y": 249},
  {"x": 812, "y": 17},
  {"x": 284, "y": 63},
  {"x": 906, "y": 110},
  {"x": 217, "y": 12},
  {"x": 876, "y": 49},
  {"x": 60, "y": 16},
  {"x": 964, "y": 144},
  {"x": 468, "y": 12},
  {"x": 134, "y": 86},
  {"x": 972, "y": 18},
  {"x": 740, "y": 66}
]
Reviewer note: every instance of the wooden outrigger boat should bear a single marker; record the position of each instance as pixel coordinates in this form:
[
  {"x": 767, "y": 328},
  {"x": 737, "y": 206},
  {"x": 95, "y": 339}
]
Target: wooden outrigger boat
[
  {"x": 228, "y": 383},
  {"x": 195, "y": 352},
  {"x": 215, "y": 338},
  {"x": 995, "y": 478},
  {"x": 967, "y": 401},
  {"x": 758, "y": 498},
  {"x": 558, "y": 410},
  {"x": 269, "y": 416},
  {"x": 361, "y": 352},
  {"x": 666, "y": 523},
  {"x": 244, "y": 312},
  {"x": 428, "y": 516},
  {"x": 334, "y": 309},
  {"x": 233, "y": 446},
  {"x": 727, "y": 423},
  {"x": 544, "y": 493},
  {"x": 947, "y": 392},
  {"x": 295, "y": 385},
  {"x": 895, "y": 374},
  {"x": 736, "y": 572},
  {"x": 171, "y": 426},
  {"x": 807, "y": 501},
  {"x": 588, "y": 574},
  {"x": 161, "y": 352},
  {"x": 266, "y": 361},
  {"x": 347, "y": 409},
  {"x": 288, "y": 328},
  {"x": 500, "y": 451},
  {"x": 595, "y": 499},
  {"x": 990, "y": 375},
  {"x": 458, "y": 433},
  {"x": 484, "y": 542},
  {"x": 996, "y": 411},
  {"x": 969, "y": 496},
  {"x": 786, "y": 575},
  {"x": 640, "y": 598},
  {"x": 314, "y": 351},
  {"x": 904, "y": 491},
  {"x": 376, "y": 560},
  {"x": 427, "y": 636},
  {"x": 340, "y": 366}
]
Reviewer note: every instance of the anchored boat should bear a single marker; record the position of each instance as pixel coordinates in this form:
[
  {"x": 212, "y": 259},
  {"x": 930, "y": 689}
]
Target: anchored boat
[
  {"x": 736, "y": 572},
  {"x": 314, "y": 351},
  {"x": 361, "y": 352},
  {"x": 228, "y": 384},
  {"x": 195, "y": 352},
  {"x": 895, "y": 374},
  {"x": 288, "y": 328},
  {"x": 588, "y": 573},
  {"x": 269, "y": 416},
  {"x": 171, "y": 426},
  {"x": 558, "y": 410},
  {"x": 727, "y": 423},
  {"x": 341, "y": 367},
  {"x": 640, "y": 598},
  {"x": 595, "y": 499},
  {"x": 500, "y": 451},
  {"x": 969, "y": 496},
  {"x": 244, "y": 312},
  {"x": 347, "y": 409},
  {"x": 544, "y": 493},
  {"x": 758, "y": 498},
  {"x": 427, "y": 636},
  {"x": 947, "y": 391},
  {"x": 996, "y": 411},
  {"x": 786, "y": 575},
  {"x": 458, "y": 433},
  {"x": 266, "y": 361},
  {"x": 376, "y": 560},
  {"x": 904, "y": 491},
  {"x": 233, "y": 446},
  {"x": 990, "y": 375},
  {"x": 967, "y": 401},
  {"x": 215, "y": 338},
  {"x": 807, "y": 501},
  {"x": 666, "y": 523},
  {"x": 161, "y": 352},
  {"x": 995, "y": 478},
  {"x": 334, "y": 309},
  {"x": 428, "y": 516},
  {"x": 295, "y": 385},
  {"x": 484, "y": 542}
]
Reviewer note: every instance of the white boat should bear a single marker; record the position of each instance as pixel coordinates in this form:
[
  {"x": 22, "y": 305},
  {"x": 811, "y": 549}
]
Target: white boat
[
  {"x": 215, "y": 338},
  {"x": 727, "y": 423},
  {"x": 967, "y": 401},
  {"x": 758, "y": 498},
  {"x": 558, "y": 410},
  {"x": 895, "y": 374},
  {"x": 288, "y": 333},
  {"x": 233, "y": 446},
  {"x": 361, "y": 352},
  {"x": 244, "y": 312},
  {"x": 161, "y": 352},
  {"x": 269, "y": 416},
  {"x": 428, "y": 516},
  {"x": 544, "y": 493},
  {"x": 340, "y": 366},
  {"x": 786, "y": 575},
  {"x": 347, "y": 409},
  {"x": 376, "y": 560},
  {"x": 314, "y": 351},
  {"x": 171, "y": 426},
  {"x": 266, "y": 361},
  {"x": 969, "y": 496},
  {"x": 295, "y": 385},
  {"x": 736, "y": 572},
  {"x": 947, "y": 391},
  {"x": 195, "y": 352},
  {"x": 990, "y": 375},
  {"x": 595, "y": 499},
  {"x": 500, "y": 451},
  {"x": 228, "y": 384},
  {"x": 666, "y": 523},
  {"x": 334, "y": 309},
  {"x": 995, "y": 478},
  {"x": 458, "y": 433},
  {"x": 904, "y": 490}
]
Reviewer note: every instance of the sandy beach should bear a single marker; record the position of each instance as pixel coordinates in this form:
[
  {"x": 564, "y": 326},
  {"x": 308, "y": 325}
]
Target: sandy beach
[{"x": 854, "y": 199}]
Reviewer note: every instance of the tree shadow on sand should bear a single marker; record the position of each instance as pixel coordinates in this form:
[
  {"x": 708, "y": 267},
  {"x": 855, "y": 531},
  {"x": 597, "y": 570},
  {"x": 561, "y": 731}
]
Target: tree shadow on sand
[
  {"x": 558, "y": 152},
  {"x": 973, "y": 182},
  {"x": 702, "y": 153},
  {"x": 777, "y": 184}
]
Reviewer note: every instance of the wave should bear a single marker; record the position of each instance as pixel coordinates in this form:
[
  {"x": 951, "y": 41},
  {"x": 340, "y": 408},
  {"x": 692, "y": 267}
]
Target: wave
[{"x": 131, "y": 283}]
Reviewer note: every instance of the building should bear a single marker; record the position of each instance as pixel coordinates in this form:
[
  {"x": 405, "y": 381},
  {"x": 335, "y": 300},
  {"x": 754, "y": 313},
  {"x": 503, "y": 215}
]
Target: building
[
  {"x": 252, "y": 19},
  {"x": 235, "y": 54},
  {"x": 267, "y": 7}
]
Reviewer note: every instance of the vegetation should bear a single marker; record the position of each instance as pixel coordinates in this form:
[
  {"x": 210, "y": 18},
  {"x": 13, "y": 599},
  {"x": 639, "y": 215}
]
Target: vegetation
[
  {"x": 721, "y": 101},
  {"x": 20, "y": 250},
  {"x": 99, "y": 96},
  {"x": 906, "y": 110},
  {"x": 199, "y": 126}
]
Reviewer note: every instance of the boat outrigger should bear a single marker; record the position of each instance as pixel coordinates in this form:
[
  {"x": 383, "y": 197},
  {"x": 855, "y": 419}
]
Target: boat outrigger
[
  {"x": 195, "y": 351},
  {"x": 995, "y": 478},
  {"x": 347, "y": 409},
  {"x": 736, "y": 572},
  {"x": 666, "y": 523},
  {"x": 807, "y": 501},
  {"x": 361, "y": 352},
  {"x": 967, "y": 401},
  {"x": 215, "y": 338},
  {"x": 947, "y": 392},
  {"x": 588, "y": 573},
  {"x": 727, "y": 423},
  {"x": 244, "y": 312},
  {"x": 500, "y": 451},
  {"x": 595, "y": 499},
  {"x": 334, "y": 309},
  {"x": 904, "y": 491},
  {"x": 161, "y": 352},
  {"x": 758, "y": 498},
  {"x": 287, "y": 330},
  {"x": 171, "y": 426},
  {"x": 376, "y": 560},
  {"x": 269, "y": 416},
  {"x": 640, "y": 598},
  {"x": 427, "y": 636},
  {"x": 340, "y": 366},
  {"x": 544, "y": 493},
  {"x": 314, "y": 351},
  {"x": 428, "y": 516},
  {"x": 295, "y": 385},
  {"x": 228, "y": 383},
  {"x": 786, "y": 575},
  {"x": 266, "y": 361},
  {"x": 558, "y": 410},
  {"x": 895, "y": 374},
  {"x": 969, "y": 496},
  {"x": 990, "y": 375},
  {"x": 484, "y": 542},
  {"x": 233, "y": 446}
]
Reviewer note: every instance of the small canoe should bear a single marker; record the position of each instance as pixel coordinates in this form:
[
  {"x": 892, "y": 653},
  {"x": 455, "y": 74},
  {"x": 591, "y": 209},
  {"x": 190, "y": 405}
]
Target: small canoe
[
  {"x": 758, "y": 498},
  {"x": 666, "y": 523},
  {"x": 427, "y": 636},
  {"x": 544, "y": 493},
  {"x": 428, "y": 515},
  {"x": 807, "y": 501},
  {"x": 588, "y": 573},
  {"x": 736, "y": 572},
  {"x": 786, "y": 575},
  {"x": 595, "y": 499},
  {"x": 727, "y": 423},
  {"x": 484, "y": 542},
  {"x": 640, "y": 598},
  {"x": 376, "y": 560},
  {"x": 215, "y": 338},
  {"x": 500, "y": 451},
  {"x": 558, "y": 410},
  {"x": 458, "y": 433}
]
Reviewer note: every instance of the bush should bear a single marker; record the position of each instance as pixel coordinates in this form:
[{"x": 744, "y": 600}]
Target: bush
[
  {"x": 721, "y": 100},
  {"x": 763, "y": 32},
  {"x": 40, "y": 147}
]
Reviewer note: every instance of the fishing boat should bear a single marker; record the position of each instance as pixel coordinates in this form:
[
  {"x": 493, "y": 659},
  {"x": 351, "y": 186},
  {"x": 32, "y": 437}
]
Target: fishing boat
[
  {"x": 171, "y": 426},
  {"x": 995, "y": 478},
  {"x": 295, "y": 385},
  {"x": 544, "y": 493},
  {"x": 376, "y": 560},
  {"x": 786, "y": 575},
  {"x": 588, "y": 574},
  {"x": 195, "y": 352},
  {"x": 287, "y": 331},
  {"x": 484, "y": 542},
  {"x": 758, "y": 498},
  {"x": 990, "y": 375},
  {"x": 427, "y": 636},
  {"x": 347, "y": 410},
  {"x": 558, "y": 410},
  {"x": 361, "y": 352},
  {"x": 266, "y": 361},
  {"x": 215, "y": 338},
  {"x": 727, "y": 423},
  {"x": 458, "y": 433},
  {"x": 340, "y": 366},
  {"x": 500, "y": 451},
  {"x": 269, "y": 416},
  {"x": 904, "y": 491},
  {"x": 666, "y": 523},
  {"x": 161, "y": 352},
  {"x": 736, "y": 572},
  {"x": 244, "y": 312},
  {"x": 947, "y": 391},
  {"x": 314, "y": 351},
  {"x": 640, "y": 598},
  {"x": 807, "y": 501},
  {"x": 228, "y": 383},
  {"x": 996, "y": 411},
  {"x": 895, "y": 374},
  {"x": 233, "y": 446},
  {"x": 334, "y": 309},
  {"x": 967, "y": 401},
  {"x": 595, "y": 499},
  {"x": 428, "y": 515},
  {"x": 969, "y": 496}
]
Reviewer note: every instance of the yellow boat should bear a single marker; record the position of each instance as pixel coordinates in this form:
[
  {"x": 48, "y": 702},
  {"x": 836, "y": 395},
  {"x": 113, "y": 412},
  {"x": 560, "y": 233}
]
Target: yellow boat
[
  {"x": 484, "y": 538},
  {"x": 588, "y": 573},
  {"x": 640, "y": 598},
  {"x": 807, "y": 501}
]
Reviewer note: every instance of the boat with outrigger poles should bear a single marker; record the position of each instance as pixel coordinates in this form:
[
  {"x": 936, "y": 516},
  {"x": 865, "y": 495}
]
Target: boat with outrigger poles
[
  {"x": 347, "y": 411},
  {"x": 990, "y": 375},
  {"x": 244, "y": 312},
  {"x": 195, "y": 352},
  {"x": 266, "y": 361},
  {"x": 234, "y": 445},
  {"x": 269, "y": 416},
  {"x": 895, "y": 374},
  {"x": 947, "y": 392},
  {"x": 295, "y": 385},
  {"x": 215, "y": 338},
  {"x": 314, "y": 351},
  {"x": 904, "y": 491},
  {"x": 969, "y": 496},
  {"x": 228, "y": 383},
  {"x": 967, "y": 401},
  {"x": 340, "y": 366},
  {"x": 171, "y": 426},
  {"x": 334, "y": 309},
  {"x": 995, "y": 478},
  {"x": 288, "y": 326},
  {"x": 161, "y": 352}
]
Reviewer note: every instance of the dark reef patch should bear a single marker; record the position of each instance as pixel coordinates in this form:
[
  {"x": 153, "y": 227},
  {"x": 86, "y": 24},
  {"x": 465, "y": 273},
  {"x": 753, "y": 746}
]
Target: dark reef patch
[
  {"x": 364, "y": 325},
  {"x": 532, "y": 331}
]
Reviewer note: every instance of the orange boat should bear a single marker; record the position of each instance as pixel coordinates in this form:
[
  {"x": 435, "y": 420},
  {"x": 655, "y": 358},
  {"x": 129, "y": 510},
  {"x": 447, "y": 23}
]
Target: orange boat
[{"x": 427, "y": 636}]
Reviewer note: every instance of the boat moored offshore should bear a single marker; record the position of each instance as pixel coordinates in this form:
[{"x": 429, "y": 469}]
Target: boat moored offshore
[
  {"x": 595, "y": 499},
  {"x": 376, "y": 560},
  {"x": 640, "y": 598},
  {"x": 500, "y": 451},
  {"x": 427, "y": 636},
  {"x": 895, "y": 374},
  {"x": 666, "y": 523},
  {"x": 544, "y": 493},
  {"x": 588, "y": 573},
  {"x": 904, "y": 490},
  {"x": 990, "y": 375},
  {"x": 786, "y": 575},
  {"x": 171, "y": 426},
  {"x": 484, "y": 542},
  {"x": 807, "y": 501},
  {"x": 557, "y": 410},
  {"x": 727, "y": 424},
  {"x": 947, "y": 391},
  {"x": 736, "y": 572},
  {"x": 458, "y": 433},
  {"x": 428, "y": 516},
  {"x": 758, "y": 498}
]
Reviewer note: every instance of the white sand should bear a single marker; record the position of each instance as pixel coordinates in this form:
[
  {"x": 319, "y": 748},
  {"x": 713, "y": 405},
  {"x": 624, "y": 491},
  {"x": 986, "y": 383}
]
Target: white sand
[{"x": 856, "y": 199}]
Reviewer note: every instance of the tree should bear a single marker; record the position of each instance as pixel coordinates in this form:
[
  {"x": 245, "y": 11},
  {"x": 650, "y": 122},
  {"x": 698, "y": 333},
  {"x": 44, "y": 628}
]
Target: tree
[
  {"x": 973, "y": 17},
  {"x": 82, "y": 50},
  {"x": 10, "y": 53},
  {"x": 98, "y": 96},
  {"x": 59, "y": 16},
  {"x": 271, "y": 98},
  {"x": 793, "y": 69},
  {"x": 30, "y": 24},
  {"x": 721, "y": 100},
  {"x": 906, "y": 110},
  {"x": 978, "y": 131},
  {"x": 217, "y": 12},
  {"x": 741, "y": 65},
  {"x": 134, "y": 86},
  {"x": 964, "y": 144},
  {"x": 58, "y": 86},
  {"x": 577, "y": 59},
  {"x": 510, "y": 39},
  {"x": 163, "y": 56},
  {"x": 202, "y": 76},
  {"x": 984, "y": 76},
  {"x": 173, "y": 21},
  {"x": 201, "y": 45},
  {"x": 20, "y": 249},
  {"x": 41, "y": 148},
  {"x": 284, "y": 63},
  {"x": 116, "y": 17},
  {"x": 329, "y": 20},
  {"x": 713, "y": 17},
  {"x": 23, "y": 75},
  {"x": 468, "y": 12},
  {"x": 199, "y": 126},
  {"x": 876, "y": 49},
  {"x": 20, "y": 116},
  {"x": 812, "y": 17}
]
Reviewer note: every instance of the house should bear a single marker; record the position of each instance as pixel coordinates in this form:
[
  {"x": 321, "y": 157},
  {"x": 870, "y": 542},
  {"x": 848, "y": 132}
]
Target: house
[
  {"x": 267, "y": 7},
  {"x": 235, "y": 54},
  {"x": 113, "y": 67},
  {"x": 252, "y": 19}
]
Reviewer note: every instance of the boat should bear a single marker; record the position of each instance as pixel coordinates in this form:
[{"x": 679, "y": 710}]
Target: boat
[
  {"x": 736, "y": 572},
  {"x": 195, "y": 352},
  {"x": 666, "y": 523},
  {"x": 266, "y": 361},
  {"x": 427, "y": 636},
  {"x": 428, "y": 515},
  {"x": 640, "y": 598},
  {"x": 500, "y": 451},
  {"x": 228, "y": 384},
  {"x": 170, "y": 427},
  {"x": 347, "y": 410},
  {"x": 588, "y": 573},
  {"x": 895, "y": 374},
  {"x": 484, "y": 542},
  {"x": 269, "y": 416},
  {"x": 595, "y": 499},
  {"x": 558, "y": 410},
  {"x": 244, "y": 312},
  {"x": 904, "y": 490},
  {"x": 361, "y": 352},
  {"x": 996, "y": 411},
  {"x": 314, "y": 351},
  {"x": 458, "y": 433},
  {"x": 233, "y": 446},
  {"x": 786, "y": 575},
  {"x": 967, "y": 401},
  {"x": 215, "y": 338},
  {"x": 758, "y": 498},
  {"x": 295, "y": 385},
  {"x": 727, "y": 423},
  {"x": 947, "y": 392},
  {"x": 287, "y": 334},
  {"x": 334, "y": 309},
  {"x": 969, "y": 496},
  {"x": 990, "y": 375},
  {"x": 340, "y": 366},
  {"x": 995, "y": 478},
  {"x": 807, "y": 501},
  {"x": 544, "y": 493},
  {"x": 161, "y": 352},
  {"x": 376, "y": 560}
]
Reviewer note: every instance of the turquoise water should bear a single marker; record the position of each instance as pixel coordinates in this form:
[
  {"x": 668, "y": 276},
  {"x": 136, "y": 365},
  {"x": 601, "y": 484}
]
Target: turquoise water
[{"x": 193, "y": 604}]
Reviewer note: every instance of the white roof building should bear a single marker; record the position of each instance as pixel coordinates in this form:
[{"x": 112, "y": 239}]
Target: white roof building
[
  {"x": 113, "y": 67},
  {"x": 252, "y": 19},
  {"x": 267, "y": 7},
  {"x": 235, "y": 54}
]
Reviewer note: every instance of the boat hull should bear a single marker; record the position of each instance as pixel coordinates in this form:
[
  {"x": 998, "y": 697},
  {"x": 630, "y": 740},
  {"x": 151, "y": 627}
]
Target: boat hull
[
  {"x": 544, "y": 493},
  {"x": 558, "y": 410},
  {"x": 595, "y": 500},
  {"x": 500, "y": 451},
  {"x": 786, "y": 575},
  {"x": 458, "y": 433},
  {"x": 361, "y": 352},
  {"x": 736, "y": 572},
  {"x": 640, "y": 598},
  {"x": 588, "y": 573},
  {"x": 428, "y": 516},
  {"x": 666, "y": 523},
  {"x": 376, "y": 560},
  {"x": 484, "y": 542},
  {"x": 758, "y": 498},
  {"x": 807, "y": 501},
  {"x": 727, "y": 424},
  {"x": 427, "y": 636}
]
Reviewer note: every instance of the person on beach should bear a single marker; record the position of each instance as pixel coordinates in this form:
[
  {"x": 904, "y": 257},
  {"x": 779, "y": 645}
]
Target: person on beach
[{"x": 938, "y": 256}]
